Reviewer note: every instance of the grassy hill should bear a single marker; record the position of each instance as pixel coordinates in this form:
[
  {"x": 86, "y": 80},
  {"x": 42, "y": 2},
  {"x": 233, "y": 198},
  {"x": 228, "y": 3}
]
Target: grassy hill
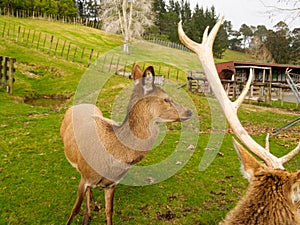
[{"x": 38, "y": 186}]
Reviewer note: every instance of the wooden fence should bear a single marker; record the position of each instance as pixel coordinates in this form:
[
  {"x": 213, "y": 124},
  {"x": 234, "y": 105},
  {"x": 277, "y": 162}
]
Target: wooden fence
[
  {"x": 48, "y": 43},
  {"x": 7, "y": 70}
]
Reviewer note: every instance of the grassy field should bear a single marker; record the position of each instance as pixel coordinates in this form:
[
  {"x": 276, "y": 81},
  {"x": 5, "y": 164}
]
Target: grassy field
[{"x": 38, "y": 185}]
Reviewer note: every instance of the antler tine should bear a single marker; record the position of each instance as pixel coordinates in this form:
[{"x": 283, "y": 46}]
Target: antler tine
[
  {"x": 288, "y": 70},
  {"x": 204, "y": 52},
  {"x": 242, "y": 96},
  {"x": 291, "y": 154},
  {"x": 205, "y": 35},
  {"x": 213, "y": 33},
  {"x": 194, "y": 46}
]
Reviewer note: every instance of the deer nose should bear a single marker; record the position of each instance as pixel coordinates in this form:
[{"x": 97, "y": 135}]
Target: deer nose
[{"x": 189, "y": 113}]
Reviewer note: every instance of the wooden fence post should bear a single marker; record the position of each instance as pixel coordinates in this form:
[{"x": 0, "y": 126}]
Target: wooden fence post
[
  {"x": 63, "y": 48},
  {"x": 50, "y": 46},
  {"x": 125, "y": 68},
  {"x": 3, "y": 32},
  {"x": 111, "y": 62},
  {"x": 37, "y": 46},
  {"x": 56, "y": 46},
  {"x": 74, "y": 53},
  {"x": 1, "y": 74},
  {"x": 32, "y": 41},
  {"x": 23, "y": 34},
  {"x": 28, "y": 37},
  {"x": 68, "y": 52},
  {"x": 13, "y": 32},
  {"x": 5, "y": 71},
  {"x": 8, "y": 30},
  {"x": 82, "y": 53},
  {"x": 117, "y": 68},
  {"x": 44, "y": 43},
  {"x": 11, "y": 75},
  {"x": 18, "y": 34},
  {"x": 90, "y": 58}
]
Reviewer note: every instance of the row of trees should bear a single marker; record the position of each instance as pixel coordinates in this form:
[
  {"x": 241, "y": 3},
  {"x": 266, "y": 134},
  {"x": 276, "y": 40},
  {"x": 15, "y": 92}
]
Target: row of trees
[
  {"x": 278, "y": 45},
  {"x": 159, "y": 19},
  {"x": 62, "y": 8}
]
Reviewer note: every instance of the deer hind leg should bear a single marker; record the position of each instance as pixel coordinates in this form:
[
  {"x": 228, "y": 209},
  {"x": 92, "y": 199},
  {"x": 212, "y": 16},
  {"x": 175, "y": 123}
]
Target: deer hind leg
[
  {"x": 109, "y": 198},
  {"x": 80, "y": 195},
  {"x": 95, "y": 206}
]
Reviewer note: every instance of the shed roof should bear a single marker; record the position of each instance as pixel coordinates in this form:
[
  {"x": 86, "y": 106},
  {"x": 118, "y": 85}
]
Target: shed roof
[{"x": 232, "y": 64}]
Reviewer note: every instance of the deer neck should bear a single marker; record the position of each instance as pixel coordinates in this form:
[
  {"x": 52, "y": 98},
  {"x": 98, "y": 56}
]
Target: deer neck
[{"x": 139, "y": 130}]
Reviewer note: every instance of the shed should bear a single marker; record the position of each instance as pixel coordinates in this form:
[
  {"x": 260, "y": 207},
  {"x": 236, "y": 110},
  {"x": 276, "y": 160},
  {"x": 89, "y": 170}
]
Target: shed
[
  {"x": 270, "y": 81},
  {"x": 242, "y": 70}
]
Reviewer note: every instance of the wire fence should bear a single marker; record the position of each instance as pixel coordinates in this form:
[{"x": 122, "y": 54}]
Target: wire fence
[
  {"x": 47, "y": 43},
  {"x": 168, "y": 44}
]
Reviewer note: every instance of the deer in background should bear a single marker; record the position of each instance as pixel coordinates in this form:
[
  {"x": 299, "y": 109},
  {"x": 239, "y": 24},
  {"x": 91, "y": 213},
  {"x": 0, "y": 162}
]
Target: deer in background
[
  {"x": 273, "y": 195},
  {"x": 103, "y": 151}
]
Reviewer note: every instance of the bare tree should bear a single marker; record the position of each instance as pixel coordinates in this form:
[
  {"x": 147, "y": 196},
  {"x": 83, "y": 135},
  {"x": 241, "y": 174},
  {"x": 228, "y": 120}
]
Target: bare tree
[
  {"x": 128, "y": 17},
  {"x": 290, "y": 8}
]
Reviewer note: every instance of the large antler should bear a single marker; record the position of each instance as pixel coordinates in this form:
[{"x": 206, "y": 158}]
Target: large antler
[{"x": 205, "y": 54}]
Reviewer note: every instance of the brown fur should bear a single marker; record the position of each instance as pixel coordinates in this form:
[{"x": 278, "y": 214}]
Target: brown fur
[
  {"x": 271, "y": 198},
  {"x": 226, "y": 74},
  {"x": 127, "y": 144}
]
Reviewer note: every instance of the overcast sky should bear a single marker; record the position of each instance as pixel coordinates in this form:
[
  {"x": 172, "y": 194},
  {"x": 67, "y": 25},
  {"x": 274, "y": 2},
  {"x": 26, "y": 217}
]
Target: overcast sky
[{"x": 250, "y": 12}]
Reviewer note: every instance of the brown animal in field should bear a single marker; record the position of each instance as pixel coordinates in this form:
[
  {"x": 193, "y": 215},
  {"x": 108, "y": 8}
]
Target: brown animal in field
[
  {"x": 273, "y": 195},
  {"x": 226, "y": 74},
  {"x": 103, "y": 151}
]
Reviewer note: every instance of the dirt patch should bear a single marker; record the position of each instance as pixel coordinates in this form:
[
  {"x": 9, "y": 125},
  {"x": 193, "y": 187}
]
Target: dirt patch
[
  {"x": 253, "y": 108},
  {"x": 168, "y": 215}
]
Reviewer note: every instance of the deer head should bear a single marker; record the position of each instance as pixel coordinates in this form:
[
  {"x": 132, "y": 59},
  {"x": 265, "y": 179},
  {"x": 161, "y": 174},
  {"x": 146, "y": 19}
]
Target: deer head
[{"x": 269, "y": 182}]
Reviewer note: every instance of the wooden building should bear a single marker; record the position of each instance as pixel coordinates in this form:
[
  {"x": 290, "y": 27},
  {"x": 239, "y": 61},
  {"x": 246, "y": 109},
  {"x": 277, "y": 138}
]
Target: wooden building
[
  {"x": 270, "y": 80},
  {"x": 262, "y": 71}
]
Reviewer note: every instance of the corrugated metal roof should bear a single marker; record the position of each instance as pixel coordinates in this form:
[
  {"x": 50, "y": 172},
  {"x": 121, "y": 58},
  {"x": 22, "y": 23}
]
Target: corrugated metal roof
[{"x": 233, "y": 63}]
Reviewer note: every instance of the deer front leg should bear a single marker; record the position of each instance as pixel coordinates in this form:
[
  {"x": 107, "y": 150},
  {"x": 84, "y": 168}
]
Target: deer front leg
[
  {"x": 109, "y": 198},
  {"x": 87, "y": 215},
  {"x": 80, "y": 195}
]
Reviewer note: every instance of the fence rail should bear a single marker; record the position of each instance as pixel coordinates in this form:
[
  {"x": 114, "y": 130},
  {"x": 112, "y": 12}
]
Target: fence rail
[{"x": 7, "y": 70}]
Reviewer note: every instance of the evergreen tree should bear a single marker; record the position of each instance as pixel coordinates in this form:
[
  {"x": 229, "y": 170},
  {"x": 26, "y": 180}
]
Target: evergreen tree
[
  {"x": 278, "y": 43},
  {"x": 247, "y": 33},
  {"x": 295, "y": 46}
]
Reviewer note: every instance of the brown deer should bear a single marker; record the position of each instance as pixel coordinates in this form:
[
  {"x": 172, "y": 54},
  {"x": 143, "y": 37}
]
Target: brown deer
[
  {"x": 103, "y": 151},
  {"x": 273, "y": 195}
]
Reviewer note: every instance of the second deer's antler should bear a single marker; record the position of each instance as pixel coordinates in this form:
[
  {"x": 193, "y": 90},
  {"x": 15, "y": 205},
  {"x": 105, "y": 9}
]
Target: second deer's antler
[{"x": 205, "y": 54}]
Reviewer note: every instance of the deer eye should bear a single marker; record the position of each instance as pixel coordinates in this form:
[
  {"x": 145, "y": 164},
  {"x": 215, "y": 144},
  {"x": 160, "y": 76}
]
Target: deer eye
[{"x": 168, "y": 100}]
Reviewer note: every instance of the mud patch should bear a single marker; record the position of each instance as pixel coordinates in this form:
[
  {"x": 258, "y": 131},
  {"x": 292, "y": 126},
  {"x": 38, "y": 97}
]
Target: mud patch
[
  {"x": 36, "y": 71},
  {"x": 50, "y": 101},
  {"x": 167, "y": 216}
]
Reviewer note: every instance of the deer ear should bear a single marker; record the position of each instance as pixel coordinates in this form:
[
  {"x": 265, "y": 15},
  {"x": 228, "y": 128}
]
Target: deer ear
[
  {"x": 148, "y": 79},
  {"x": 249, "y": 165},
  {"x": 137, "y": 73}
]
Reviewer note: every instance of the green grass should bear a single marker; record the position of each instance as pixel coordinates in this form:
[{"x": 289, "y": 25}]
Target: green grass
[{"x": 37, "y": 184}]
